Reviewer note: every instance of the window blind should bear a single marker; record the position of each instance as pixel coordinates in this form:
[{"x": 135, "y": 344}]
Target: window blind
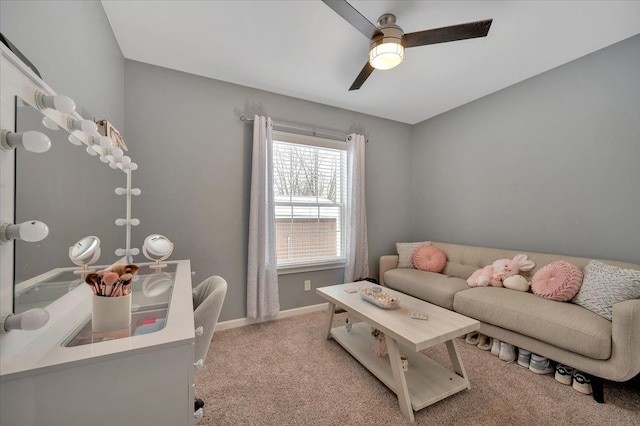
[{"x": 309, "y": 191}]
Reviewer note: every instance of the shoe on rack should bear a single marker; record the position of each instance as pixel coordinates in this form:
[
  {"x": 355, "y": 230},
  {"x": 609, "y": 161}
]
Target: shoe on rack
[
  {"x": 472, "y": 338},
  {"x": 507, "y": 352},
  {"x": 540, "y": 365},
  {"x": 524, "y": 358},
  {"x": 197, "y": 404},
  {"x": 581, "y": 382},
  {"x": 484, "y": 342},
  {"x": 564, "y": 374},
  {"x": 495, "y": 347}
]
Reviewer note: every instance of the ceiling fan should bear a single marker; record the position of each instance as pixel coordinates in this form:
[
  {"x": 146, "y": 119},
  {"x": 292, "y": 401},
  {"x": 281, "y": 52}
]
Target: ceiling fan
[{"x": 388, "y": 41}]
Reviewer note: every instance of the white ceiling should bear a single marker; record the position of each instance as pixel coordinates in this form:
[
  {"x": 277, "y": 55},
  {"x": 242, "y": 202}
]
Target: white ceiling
[{"x": 305, "y": 50}]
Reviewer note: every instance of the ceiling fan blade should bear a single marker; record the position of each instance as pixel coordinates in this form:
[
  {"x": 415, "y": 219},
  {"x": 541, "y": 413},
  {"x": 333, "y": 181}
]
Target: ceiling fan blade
[
  {"x": 362, "y": 77},
  {"x": 355, "y": 18},
  {"x": 445, "y": 34}
]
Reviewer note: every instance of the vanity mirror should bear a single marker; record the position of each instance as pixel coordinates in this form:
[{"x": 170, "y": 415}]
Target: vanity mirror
[
  {"x": 53, "y": 183},
  {"x": 157, "y": 248},
  {"x": 84, "y": 253},
  {"x": 73, "y": 193}
]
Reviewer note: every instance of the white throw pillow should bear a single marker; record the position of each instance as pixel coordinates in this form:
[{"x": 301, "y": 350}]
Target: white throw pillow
[
  {"x": 405, "y": 253},
  {"x": 603, "y": 285}
]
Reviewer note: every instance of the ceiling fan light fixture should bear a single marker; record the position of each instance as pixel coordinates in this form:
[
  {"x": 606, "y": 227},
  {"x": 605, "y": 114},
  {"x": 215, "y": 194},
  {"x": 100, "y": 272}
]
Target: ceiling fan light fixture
[{"x": 386, "y": 55}]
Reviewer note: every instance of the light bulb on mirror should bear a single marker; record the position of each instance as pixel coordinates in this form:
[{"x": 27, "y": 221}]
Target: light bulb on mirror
[
  {"x": 32, "y": 319},
  {"x": 97, "y": 140},
  {"x": 30, "y": 231},
  {"x": 133, "y": 191},
  {"x": 125, "y": 161},
  {"x": 93, "y": 142},
  {"x": 132, "y": 222},
  {"x": 49, "y": 123},
  {"x": 74, "y": 140},
  {"x": 157, "y": 248},
  {"x": 86, "y": 126},
  {"x": 31, "y": 141},
  {"x": 129, "y": 253},
  {"x": 105, "y": 142},
  {"x": 117, "y": 154},
  {"x": 60, "y": 103}
]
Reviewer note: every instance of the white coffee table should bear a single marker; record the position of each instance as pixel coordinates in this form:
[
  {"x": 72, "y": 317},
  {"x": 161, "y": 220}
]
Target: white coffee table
[{"x": 426, "y": 381}]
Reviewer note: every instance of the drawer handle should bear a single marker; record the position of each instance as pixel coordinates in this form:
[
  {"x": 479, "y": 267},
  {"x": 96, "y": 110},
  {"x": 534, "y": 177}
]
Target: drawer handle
[
  {"x": 199, "y": 363},
  {"x": 198, "y": 413},
  {"x": 199, "y": 331}
]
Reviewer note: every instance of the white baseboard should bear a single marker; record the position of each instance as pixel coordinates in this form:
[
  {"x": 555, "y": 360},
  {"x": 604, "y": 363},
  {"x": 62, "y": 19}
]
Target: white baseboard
[{"x": 241, "y": 322}]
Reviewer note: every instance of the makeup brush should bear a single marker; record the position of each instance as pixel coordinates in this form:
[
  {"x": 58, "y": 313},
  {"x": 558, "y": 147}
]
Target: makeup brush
[
  {"x": 126, "y": 280},
  {"x": 92, "y": 280},
  {"x": 109, "y": 279}
]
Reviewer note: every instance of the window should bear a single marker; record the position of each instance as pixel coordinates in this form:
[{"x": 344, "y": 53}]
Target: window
[{"x": 310, "y": 191}]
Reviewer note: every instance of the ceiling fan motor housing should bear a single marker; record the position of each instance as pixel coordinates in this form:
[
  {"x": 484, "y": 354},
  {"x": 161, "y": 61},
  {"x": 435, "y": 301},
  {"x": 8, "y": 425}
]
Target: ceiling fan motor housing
[{"x": 391, "y": 33}]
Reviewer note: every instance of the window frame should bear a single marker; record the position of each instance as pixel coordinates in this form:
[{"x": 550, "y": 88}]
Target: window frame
[{"x": 317, "y": 142}]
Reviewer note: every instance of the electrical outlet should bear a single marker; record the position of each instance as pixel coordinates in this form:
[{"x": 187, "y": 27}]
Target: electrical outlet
[{"x": 307, "y": 285}]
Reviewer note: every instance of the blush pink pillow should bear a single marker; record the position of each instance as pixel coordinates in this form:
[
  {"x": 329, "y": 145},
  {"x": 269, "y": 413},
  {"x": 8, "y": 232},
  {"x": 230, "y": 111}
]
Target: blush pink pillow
[
  {"x": 558, "y": 280},
  {"x": 429, "y": 258}
]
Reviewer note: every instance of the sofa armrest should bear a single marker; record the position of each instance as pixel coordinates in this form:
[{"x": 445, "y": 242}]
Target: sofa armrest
[
  {"x": 626, "y": 338},
  {"x": 387, "y": 262}
]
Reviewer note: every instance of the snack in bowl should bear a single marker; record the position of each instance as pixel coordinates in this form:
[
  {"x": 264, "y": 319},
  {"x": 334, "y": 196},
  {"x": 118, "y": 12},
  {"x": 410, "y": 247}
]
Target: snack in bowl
[{"x": 379, "y": 298}]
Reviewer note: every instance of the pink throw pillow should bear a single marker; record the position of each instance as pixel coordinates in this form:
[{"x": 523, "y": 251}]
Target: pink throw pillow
[
  {"x": 429, "y": 258},
  {"x": 558, "y": 280}
]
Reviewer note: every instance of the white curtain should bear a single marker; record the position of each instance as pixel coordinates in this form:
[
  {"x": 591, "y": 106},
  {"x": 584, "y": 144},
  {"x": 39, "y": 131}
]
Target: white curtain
[
  {"x": 262, "y": 273},
  {"x": 357, "y": 265}
]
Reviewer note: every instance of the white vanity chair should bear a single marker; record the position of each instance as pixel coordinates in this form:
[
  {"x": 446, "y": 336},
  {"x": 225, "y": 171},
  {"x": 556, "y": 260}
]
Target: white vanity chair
[{"x": 208, "y": 298}]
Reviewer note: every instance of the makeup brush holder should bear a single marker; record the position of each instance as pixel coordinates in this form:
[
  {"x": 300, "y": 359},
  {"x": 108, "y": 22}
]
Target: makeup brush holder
[{"x": 110, "y": 313}]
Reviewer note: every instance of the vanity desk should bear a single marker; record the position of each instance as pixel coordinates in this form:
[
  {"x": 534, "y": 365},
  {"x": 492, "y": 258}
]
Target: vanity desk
[{"x": 63, "y": 374}]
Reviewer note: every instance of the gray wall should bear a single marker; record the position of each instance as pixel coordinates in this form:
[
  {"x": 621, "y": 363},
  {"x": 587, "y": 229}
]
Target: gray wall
[
  {"x": 73, "y": 47},
  {"x": 550, "y": 164},
  {"x": 195, "y": 158}
]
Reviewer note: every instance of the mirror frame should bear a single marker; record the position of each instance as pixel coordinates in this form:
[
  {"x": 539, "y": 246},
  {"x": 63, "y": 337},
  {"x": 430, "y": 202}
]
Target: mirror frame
[{"x": 19, "y": 81}]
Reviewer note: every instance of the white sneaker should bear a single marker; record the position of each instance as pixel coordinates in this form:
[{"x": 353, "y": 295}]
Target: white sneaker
[
  {"x": 564, "y": 373},
  {"x": 524, "y": 358},
  {"x": 507, "y": 352},
  {"x": 495, "y": 349},
  {"x": 581, "y": 382},
  {"x": 540, "y": 365}
]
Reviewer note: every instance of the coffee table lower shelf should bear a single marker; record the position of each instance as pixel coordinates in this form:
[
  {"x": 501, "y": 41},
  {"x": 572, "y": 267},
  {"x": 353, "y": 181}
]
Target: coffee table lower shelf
[{"x": 427, "y": 381}]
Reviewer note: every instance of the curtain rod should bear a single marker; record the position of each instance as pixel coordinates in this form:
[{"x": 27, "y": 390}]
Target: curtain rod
[{"x": 316, "y": 132}]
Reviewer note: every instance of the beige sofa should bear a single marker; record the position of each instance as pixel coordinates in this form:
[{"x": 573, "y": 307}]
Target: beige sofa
[{"x": 561, "y": 331}]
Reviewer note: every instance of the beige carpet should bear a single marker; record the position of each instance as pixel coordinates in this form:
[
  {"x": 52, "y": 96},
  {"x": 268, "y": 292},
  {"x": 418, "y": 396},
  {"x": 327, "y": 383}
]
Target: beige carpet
[{"x": 285, "y": 373}]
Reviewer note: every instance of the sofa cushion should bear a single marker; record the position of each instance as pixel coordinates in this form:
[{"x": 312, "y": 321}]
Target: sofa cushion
[
  {"x": 605, "y": 285},
  {"x": 405, "y": 253},
  {"x": 429, "y": 286},
  {"x": 558, "y": 280},
  {"x": 429, "y": 258},
  {"x": 564, "y": 325}
]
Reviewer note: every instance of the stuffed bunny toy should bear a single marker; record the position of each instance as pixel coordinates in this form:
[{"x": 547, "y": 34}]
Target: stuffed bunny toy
[{"x": 494, "y": 274}]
